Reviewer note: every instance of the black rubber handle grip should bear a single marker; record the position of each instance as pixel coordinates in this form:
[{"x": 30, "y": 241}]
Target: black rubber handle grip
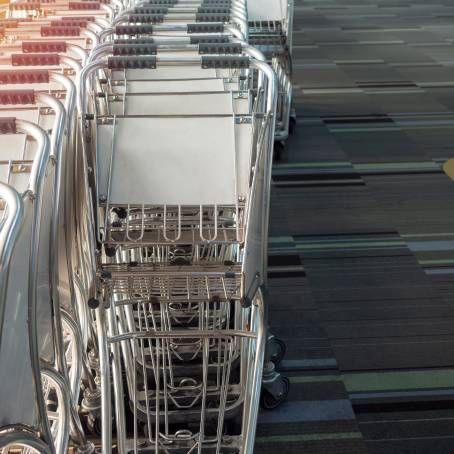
[
  {"x": 206, "y": 28},
  {"x": 150, "y": 9},
  {"x": 213, "y": 10},
  {"x": 86, "y": 18},
  {"x": 134, "y": 49},
  {"x": 140, "y": 62},
  {"x": 267, "y": 40},
  {"x": 16, "y": 97},
  {"x": 134, "y": 41},
  {"x": 161, "y": 2},
  {"x": 9, "y": 23},
  {"x": 202, "y": 17},
  {"x": 69, "y": 23},
  {"x": 145, "y": 18},
  {"x": 26, "y": 76},
  {"x": 220, "y": 48},
  {"x": 63, "y": 30},
  {"x": 131, "y": 30},
  {"x": 209, "y": 39},
  {"x": 215, "y": 61},
  {"x": 35, "y": 59},
  {"x": 25, "y": 6},
  {"x": 84, "y": 5},
  {"x": 7, "y": 125},
  {"x": 216, "y": 2},
  {"x": 44, "y": 46}
]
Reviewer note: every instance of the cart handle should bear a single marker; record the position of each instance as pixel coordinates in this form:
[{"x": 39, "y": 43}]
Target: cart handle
[
  {"x": 12, "y": 125},
  {"x": 192, "y": 28},
  {"x": 217, "y": 44},
  {"x": 48, "y": 59},
  {"x": 26, "y": 97},
  {"x": 151, "y": 61},
  {"x": 11, "y": 224},
  {"x": 194, "y": 39},
  {"x": 51, "y": 47},
  {"x": 40, "y": 76}
]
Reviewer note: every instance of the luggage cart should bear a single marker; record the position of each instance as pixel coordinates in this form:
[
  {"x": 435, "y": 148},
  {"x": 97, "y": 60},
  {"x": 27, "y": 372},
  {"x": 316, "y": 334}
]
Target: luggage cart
[
  {"x": 40, "y": 41},
  {"x": 35, "y": 169},
  {"x": 38, "y": 395},
  {"x": 22, "y": 379},
  {"x": 176, "y": 283},
  {"x": 153, "y": 232},
  {"x": 271, "y": 31}
]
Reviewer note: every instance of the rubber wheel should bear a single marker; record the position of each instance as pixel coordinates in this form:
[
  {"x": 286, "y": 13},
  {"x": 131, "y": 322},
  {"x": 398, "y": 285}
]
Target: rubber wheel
[
  {"x": 280, "y": 350},
  {"x": 270, "y": 402}
]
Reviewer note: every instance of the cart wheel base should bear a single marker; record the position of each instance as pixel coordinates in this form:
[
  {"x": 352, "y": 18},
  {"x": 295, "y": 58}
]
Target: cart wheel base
[
  {"x": 270, "y": 401},
  {"x": 278, "y": 350}
]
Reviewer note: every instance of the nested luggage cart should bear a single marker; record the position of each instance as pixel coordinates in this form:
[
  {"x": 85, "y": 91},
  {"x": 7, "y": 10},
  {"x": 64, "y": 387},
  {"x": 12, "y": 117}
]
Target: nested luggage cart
[
  {"x": 271, "y": 31},
  {"x": 23, "y": 343},
  {"x": 40, "y": 352},
  {"x": 182, "y": 255},
  {"x": 160, "y": 195}
]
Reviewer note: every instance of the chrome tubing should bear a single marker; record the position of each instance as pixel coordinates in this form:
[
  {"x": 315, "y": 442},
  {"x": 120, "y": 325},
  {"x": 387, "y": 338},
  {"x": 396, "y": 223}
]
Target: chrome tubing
[{"x": 9, "y": 231}]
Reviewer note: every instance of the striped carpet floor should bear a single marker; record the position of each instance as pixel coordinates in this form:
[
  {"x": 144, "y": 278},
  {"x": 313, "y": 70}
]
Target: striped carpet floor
[{"x": 361, "y": 257}]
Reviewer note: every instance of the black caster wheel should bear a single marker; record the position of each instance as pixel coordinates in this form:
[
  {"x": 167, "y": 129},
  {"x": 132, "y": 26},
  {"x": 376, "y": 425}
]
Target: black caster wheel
[
  {"x": 292, "y": 126},
  {"x": 234, "y": 426},
  {"x": 279, "y": 350},
  {"x": 279, "y": 148},
  {"x": 120, "y": 212},
  {"x": 269, "y": 401},
  {"x": 110, "y": 251}
]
